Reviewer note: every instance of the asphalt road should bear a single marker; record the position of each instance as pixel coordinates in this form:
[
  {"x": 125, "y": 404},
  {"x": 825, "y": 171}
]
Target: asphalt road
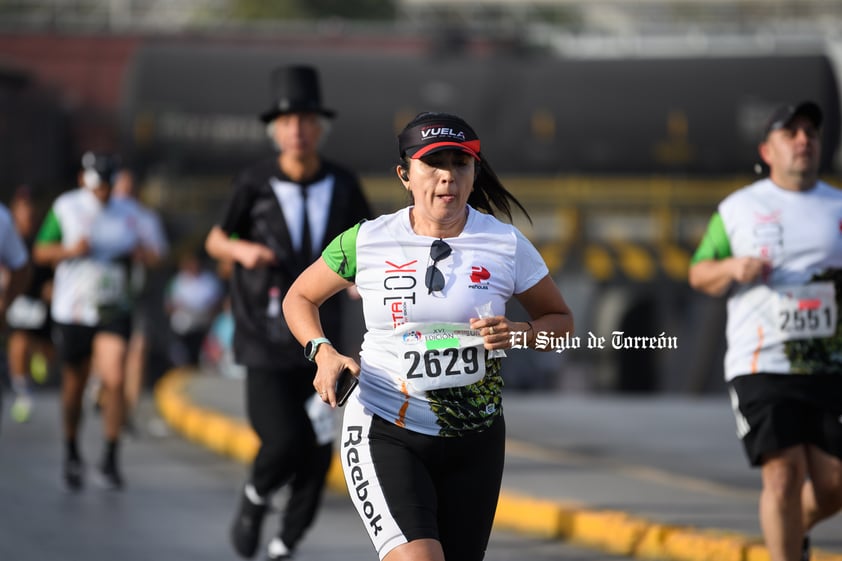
[{"x": 176, "y": 507}]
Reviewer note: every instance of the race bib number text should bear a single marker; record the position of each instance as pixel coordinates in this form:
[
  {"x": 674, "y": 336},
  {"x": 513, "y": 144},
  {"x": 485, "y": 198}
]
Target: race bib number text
[
  {"x": 447, "y": 362},
  {"x": 437, "y": 356},
  {"x": 806, "y": 312}
]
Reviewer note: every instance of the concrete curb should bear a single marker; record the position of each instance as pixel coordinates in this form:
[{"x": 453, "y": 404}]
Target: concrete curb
[{"x": 614, "y": 532}]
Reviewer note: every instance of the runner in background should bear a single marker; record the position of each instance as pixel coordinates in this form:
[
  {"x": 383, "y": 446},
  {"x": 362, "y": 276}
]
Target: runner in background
[
  {"x": 29, "y": 347},
  {"x": 92, "y": 243},
  {"x": 125, "y": 192},
  {"x": 14, "y": 269},
  {"x": 775, "y": 249},
  {"x": 192, "y": 299}
]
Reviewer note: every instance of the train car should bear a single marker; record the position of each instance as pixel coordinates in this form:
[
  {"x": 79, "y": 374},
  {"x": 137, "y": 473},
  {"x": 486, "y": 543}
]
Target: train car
[{"x": 193, "y": 106}]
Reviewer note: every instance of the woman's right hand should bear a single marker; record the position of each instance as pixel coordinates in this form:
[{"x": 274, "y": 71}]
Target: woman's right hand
[{"x": 331, "y": 364}]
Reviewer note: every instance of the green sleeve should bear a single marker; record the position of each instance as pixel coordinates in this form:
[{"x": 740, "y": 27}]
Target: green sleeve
[
  {"x": 715, "y": 243},
  {"x": 341, "y": 253},
  {"x": 50, "y": 231}
]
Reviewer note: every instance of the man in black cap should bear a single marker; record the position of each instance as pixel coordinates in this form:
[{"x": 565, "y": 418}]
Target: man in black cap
[
  {"x": 282, "y": 213},
  {"x": 775, "y": 247}
]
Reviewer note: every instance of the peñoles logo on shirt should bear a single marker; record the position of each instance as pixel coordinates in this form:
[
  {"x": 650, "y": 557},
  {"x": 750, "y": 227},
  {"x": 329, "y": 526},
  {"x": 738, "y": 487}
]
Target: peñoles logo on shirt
[{"x": 479, "y": 278}]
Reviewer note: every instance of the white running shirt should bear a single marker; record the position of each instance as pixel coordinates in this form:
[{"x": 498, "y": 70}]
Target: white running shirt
[
  {"x": 84, "y": 286},
  {"x": 490, "y": 262},
  {"x": 788, "y": 321}
]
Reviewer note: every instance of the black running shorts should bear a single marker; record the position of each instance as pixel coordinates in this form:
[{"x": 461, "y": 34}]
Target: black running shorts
[
  {"x": 778, "y": 411},
  {"x": 74, "y": 342},
  {"x": 408, "y": 486}
]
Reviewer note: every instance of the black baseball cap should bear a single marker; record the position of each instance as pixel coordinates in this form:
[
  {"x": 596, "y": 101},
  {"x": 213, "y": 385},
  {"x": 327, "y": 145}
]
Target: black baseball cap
[
  {"x": 428, "y": 133},
  {"x": 785, "y": 114},
  {"x": 100, "y": 168}
]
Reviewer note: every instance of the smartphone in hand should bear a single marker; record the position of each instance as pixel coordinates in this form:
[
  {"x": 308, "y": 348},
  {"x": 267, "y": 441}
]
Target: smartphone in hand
[{"x": 344, "y": 386}]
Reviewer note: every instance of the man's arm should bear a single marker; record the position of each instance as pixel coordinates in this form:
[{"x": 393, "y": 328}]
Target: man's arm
[
  {"x": 715, "y": 276},
  {"x": 222, "y": 247},
  {"x": 49, "y": 249},
  {"x": 713, "y": 268}
]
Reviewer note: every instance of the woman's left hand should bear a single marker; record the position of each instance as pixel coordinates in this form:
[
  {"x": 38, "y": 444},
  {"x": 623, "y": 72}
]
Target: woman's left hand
[{"x": 496, "y": 331}]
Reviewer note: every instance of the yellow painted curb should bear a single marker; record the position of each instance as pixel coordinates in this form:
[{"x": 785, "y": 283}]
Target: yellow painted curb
[
  {"x": 335, "y": 477},
  {"x": 243, "y": 445},
  {"x": 216, "y": 432},
  {"x": 651, "y": 544},
  {"x": 690, "y": 544},
  {"x": 612, "y": 531},
  {"x": 759, "y": 553},
  {"x": 539, "y": 517}
]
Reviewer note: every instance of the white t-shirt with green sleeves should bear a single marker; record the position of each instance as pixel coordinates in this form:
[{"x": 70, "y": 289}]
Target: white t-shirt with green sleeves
[
  {"x": 87, "y": 287},
  {"x": 418, "y": 348}
]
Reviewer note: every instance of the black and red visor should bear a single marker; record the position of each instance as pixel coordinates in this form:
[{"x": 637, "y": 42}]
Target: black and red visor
[{"x": 435, "y": 132}]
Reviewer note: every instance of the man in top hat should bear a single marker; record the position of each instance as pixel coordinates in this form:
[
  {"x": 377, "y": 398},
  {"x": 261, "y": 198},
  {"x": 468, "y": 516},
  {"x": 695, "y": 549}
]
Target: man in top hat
[
  {"x": 281, "y": 214},
  {"x": 775, "y": 247}
]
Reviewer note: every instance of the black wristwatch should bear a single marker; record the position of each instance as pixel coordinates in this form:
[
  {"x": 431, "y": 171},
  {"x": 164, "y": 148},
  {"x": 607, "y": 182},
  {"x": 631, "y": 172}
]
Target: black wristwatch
[{"x": 312, "y": 347}]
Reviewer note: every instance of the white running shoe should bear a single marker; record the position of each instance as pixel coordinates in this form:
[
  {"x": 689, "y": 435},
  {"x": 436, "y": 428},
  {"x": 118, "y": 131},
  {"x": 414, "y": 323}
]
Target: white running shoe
[{"x": 21, "y": 409}]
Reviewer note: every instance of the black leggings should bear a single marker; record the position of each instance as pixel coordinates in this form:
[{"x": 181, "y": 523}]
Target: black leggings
[
  {"x": 408, "y": 486},
  {"x": 275, "y": 402}
]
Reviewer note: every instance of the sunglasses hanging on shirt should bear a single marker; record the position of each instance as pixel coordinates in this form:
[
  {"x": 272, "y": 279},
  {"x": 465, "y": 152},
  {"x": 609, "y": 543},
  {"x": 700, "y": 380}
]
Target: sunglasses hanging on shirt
[{"x": 434, "y": 279}]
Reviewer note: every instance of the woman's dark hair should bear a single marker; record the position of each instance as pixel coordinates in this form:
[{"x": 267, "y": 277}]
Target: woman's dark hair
[{"x": 489, "y": 194}]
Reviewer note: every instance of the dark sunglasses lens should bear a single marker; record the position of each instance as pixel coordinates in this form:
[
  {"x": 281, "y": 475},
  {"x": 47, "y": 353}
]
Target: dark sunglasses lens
[
  {"x": 439, "y": 250},
  {"x": 434, "y": 280}
]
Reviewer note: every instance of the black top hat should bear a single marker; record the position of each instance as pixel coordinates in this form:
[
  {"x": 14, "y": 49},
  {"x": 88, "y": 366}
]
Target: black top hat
[{"x": 295, "y": 89}]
